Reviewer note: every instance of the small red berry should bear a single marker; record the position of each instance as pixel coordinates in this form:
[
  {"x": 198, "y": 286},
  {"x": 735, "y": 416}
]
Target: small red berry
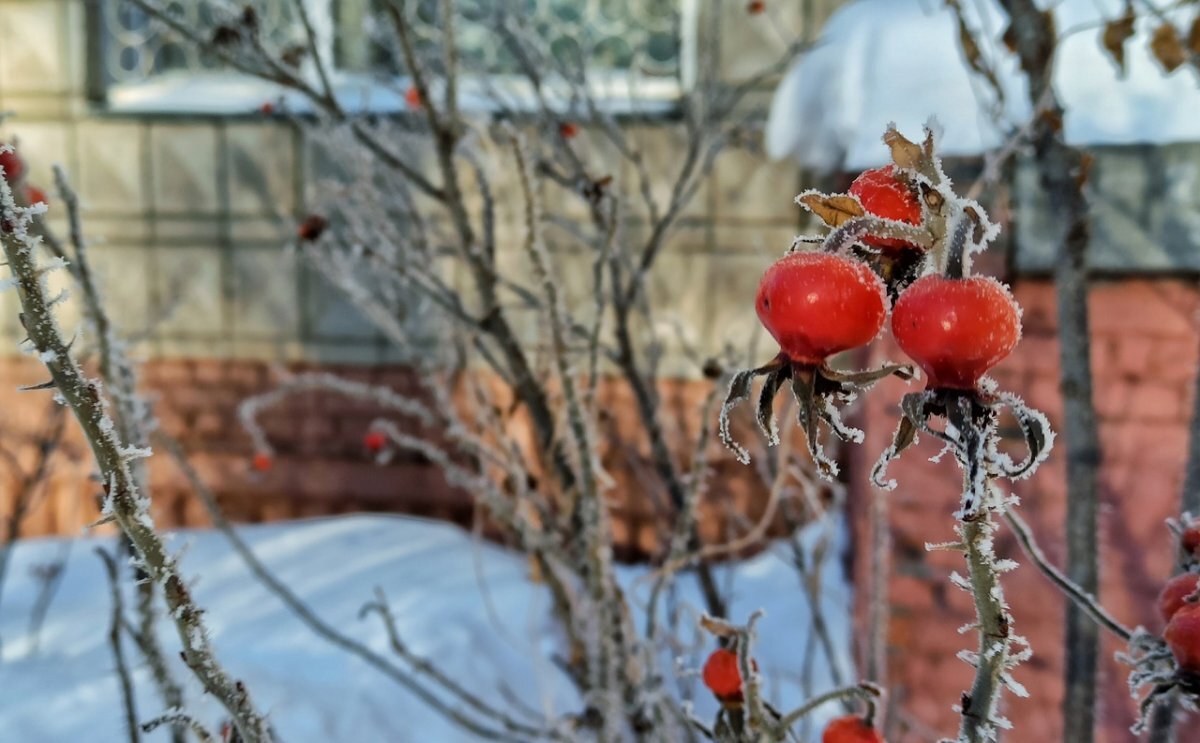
[
  {"x": 754, "y": 7},
  {"x": 412, "y": 98},
  {"x": 1190, "y": 539},
  {"x": 956, "y": 329},
  {"x": 722, "y": 675},
  {"x": 1183, "y": 637},
  {"x": 35, "y": 195},
  {"x": 882, "y": 194},
  {"x": 568, "y": 130},
  {"x": 1171, "y": 600},
  {"x": 12, "y": 164},
  {"x": 818, "y": 304},
  {"x": 851, "y": 729},
  {"x": 267, "y": 108},
  {"x": 262, "y": 461},
  {"x": 312, "y": 227},
  {"x": 374, "y": 441}
]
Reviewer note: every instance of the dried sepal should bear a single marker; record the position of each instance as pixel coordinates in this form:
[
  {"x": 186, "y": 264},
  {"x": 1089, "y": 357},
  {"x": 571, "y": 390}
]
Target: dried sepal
[{"x": 834, "y": 210}]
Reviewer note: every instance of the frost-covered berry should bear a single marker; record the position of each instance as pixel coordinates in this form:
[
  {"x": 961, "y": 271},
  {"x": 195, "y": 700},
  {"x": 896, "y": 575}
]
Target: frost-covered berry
[
  {"x": 884, "y": 195},
  {"x": 1183, "y": 637},
  {"x": 956, "y": 329},
  {"x": 35, "y": 195},
  {"x": 12, "y": 164},
  {"x": 1173, "y": 595},
  {"x": 412, "y": 98},
  {"x": 373, "y": 441},
  {"x": 262, "y": 462},
  {"x": 818, "y": 304},
  {"x": 1190, "y": 539},
  {"x": 312, "y": 227},
  {"x": 851, "y": 729},
  {"x": 722, "y": 675}
]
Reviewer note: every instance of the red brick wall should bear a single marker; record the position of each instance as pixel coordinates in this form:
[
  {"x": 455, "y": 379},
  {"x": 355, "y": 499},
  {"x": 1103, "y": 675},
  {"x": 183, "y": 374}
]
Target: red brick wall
[{"x": 1144, "y": 354}]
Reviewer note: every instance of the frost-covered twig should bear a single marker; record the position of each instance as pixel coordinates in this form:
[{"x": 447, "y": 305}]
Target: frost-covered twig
[
  {"x": 116, "y": 625},
  {"x": 123, "y": 501},
  {"x": 326, "y": 630},
  {"x": 1082, "y": 598},
  {"x": 176, "y": 720},
  {"x": 867, "y": 692}
]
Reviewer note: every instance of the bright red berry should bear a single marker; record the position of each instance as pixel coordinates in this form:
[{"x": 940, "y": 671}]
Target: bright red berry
[
  {"x": 262, "y": 461},
  {"x": 1190, "y": 539},
  {"x": 35, "y": 195},
  {"x": 722, "y": 675},
  {"x": 12, "y": 164},
  {"x": 374, "y": 441},
  {"x": 1173, "y": 594},
  {"x": 851, "y": 729},
  {"x": 568, "y": 130},
  {"x": 412, "y": 98},
  {"x": 1183, "y": 637},
  {"x": 956, "y": 329},
  {"x": 312, "y": 227},
  {"x": 754, "y": 7},
  {"x": 817, "y": 304},
  {"x": 882, "y": 194}
]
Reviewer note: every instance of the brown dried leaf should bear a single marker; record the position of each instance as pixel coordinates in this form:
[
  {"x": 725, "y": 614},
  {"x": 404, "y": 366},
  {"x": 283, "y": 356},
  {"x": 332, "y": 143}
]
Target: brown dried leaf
[
  {"x": 1167, "y": 47},
  {"x": 904, "y": 153},
  {"x": 1116, "y": 33},
  {"x": 1193, "y": 40},
  {"x": 833, "y": 210}
]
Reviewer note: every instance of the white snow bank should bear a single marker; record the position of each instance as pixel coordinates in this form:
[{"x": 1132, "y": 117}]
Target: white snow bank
[
  {"x": 880, "y": 61},
  {"x": 469, "y": 606}
]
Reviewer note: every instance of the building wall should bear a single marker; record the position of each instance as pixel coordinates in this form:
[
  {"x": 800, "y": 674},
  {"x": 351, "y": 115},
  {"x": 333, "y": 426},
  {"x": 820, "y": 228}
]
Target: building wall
[{"x": 1144, "y": 355}]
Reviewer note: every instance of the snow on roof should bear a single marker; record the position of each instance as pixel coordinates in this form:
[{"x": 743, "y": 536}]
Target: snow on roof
[
  {"x": 881, "y": 61},
  {"x": 467, "y": 605}
]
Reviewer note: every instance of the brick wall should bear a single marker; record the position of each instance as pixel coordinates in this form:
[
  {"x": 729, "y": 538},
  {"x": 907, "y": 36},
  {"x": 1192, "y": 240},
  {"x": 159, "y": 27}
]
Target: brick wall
[{"x": 1144, "y": 352}]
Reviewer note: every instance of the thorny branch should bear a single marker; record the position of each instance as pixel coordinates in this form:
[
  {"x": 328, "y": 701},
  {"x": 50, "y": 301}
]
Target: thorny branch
[{"x": 114, "y": 455}]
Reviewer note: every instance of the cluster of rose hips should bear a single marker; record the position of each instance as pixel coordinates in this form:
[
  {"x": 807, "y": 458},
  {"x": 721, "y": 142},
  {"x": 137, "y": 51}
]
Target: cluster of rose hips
[
  {"x": 1179, "y": 605},
  {"x": 724, "y": 679},
  {"x": 879, "y": 256}
]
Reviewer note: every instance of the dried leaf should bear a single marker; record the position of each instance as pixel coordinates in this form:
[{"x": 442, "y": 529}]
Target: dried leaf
[
  {"x": 905, "y": 153},
  {"x": 1193, "y": 41},
  {"x": 1167, "y": 47},
  {"x": 1116, "y": 33},
  {"x": 833, "y": 210}
]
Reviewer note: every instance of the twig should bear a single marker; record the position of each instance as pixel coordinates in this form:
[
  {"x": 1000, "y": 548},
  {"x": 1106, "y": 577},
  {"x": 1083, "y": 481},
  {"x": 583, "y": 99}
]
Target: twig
[
  {"x": 1082, "y": 598},
  {"x": 123, "y": 501},
  {"x": 118, "y": 652}
]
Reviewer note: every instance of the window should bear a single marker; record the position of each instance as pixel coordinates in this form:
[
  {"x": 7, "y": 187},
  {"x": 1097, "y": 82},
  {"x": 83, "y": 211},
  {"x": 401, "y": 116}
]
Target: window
[{"x": 624, "y": 44}]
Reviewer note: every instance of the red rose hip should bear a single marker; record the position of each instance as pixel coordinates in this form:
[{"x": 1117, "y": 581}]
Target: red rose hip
[
  {"x": 1171, "y": 600},
  {"x": 722, "y": 676},
  {"x": 956, "y": 329},
  {"x": 1183, "y": 637},
  {"x": 884, "y": 195},
  {"x": 817, "y": 304},
  {"x": 851, "y": 729},
  {"x": 12, "y": 164},
  {"x": 262, "y": 462},
  {"x": 374, "y": 441}
]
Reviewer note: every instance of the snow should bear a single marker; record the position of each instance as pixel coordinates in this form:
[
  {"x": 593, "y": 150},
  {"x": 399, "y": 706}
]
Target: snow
[
  {"x": 468, "y": 605},
  {"x": 882, "y": 61}
]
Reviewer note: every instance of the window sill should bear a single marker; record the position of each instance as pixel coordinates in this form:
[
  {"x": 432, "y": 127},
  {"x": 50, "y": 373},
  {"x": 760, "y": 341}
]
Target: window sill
[{"x": 232, "y": 94}]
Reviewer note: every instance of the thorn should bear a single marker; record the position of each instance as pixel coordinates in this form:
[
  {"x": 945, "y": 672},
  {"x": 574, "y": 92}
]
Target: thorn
[{"x": 43, "y": 386}]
